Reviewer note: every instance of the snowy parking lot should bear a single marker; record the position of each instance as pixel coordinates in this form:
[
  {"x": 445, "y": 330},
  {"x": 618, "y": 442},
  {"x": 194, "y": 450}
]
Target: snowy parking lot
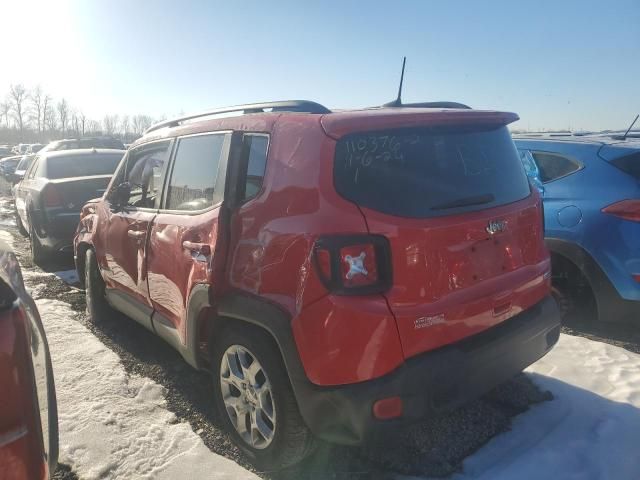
[{"x": 130, "y": 408}]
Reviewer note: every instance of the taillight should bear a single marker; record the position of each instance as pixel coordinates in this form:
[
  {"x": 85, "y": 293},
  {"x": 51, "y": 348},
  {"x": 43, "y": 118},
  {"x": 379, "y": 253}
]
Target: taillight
[
  {"x": 626, "y": 209},
  {"x": 353, "y": 264},
  {"x": 51, "y": 197}
]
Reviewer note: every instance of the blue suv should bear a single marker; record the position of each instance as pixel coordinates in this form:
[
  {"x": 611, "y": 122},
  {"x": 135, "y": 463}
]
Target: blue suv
[{"x": 591, "y": 190}]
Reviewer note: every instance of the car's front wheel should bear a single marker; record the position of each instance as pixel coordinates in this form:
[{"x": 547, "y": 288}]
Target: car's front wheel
[
  {"x": 255, "y": 399},
  {"x": 97, "y": 307}
]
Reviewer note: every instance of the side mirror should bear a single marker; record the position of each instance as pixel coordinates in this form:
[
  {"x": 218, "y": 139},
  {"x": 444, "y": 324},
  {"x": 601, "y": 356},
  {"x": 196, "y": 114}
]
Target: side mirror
[{"x": 121, "y": 194}]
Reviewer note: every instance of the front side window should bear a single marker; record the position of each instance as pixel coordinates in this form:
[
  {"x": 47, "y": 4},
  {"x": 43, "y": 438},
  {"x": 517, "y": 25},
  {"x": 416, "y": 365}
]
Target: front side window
[
  {"x": 553, "y": 166},
  {"x": 195, "y": 171},
  {"x": 143, "y": 171},
  {"x": 255, "y": 147}
]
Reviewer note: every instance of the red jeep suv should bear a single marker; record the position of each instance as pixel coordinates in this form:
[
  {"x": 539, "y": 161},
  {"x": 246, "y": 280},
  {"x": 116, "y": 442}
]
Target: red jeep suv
[{"x": 338, "y": 273}]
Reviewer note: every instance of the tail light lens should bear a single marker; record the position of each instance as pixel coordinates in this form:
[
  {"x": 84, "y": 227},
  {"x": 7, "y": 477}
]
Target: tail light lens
[
  {"x": 626, "y": 209},
  {"x": 353, "y": 264},
  {"x": 51, "y": 197}
]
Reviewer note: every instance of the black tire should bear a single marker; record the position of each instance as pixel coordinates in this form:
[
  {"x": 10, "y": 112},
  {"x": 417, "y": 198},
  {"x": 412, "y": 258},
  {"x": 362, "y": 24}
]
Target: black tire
[
  {"x": 576, "y": 303},
  {"x": 292, "y": 439},
  {"x": 38, "y": 252},
  {"x": 20, "y": 225},
  {"x": 97, "y": 307}
]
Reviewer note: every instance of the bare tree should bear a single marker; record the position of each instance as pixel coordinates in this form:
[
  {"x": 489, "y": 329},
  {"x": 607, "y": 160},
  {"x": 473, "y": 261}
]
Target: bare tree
[
  {"x": 124, "y": 127},
  {"x": 63, "y": 115},
  {"x": 74, "y": 123},
  {"x": 50, "y": 118},
  {"x": 46, "y": 112},
  {"x": 93, "y": 126},
  {"x": 17, "y": 97},
  {"x": 83, "y": 122},
  {"x": 5, "y": 109},
  {"x": 37, "y": 100},
  {"x": 140, "y": 123},
  {"x": 110, "y": 124}
]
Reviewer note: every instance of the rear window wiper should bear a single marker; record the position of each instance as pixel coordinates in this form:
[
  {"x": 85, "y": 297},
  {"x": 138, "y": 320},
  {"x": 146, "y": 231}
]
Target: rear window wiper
[{"x": 466, "y": 202}]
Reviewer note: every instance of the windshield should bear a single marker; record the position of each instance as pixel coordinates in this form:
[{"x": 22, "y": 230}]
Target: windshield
[
  {"x": 429, "y": 172},
  {"x": 82, "y": 165}
]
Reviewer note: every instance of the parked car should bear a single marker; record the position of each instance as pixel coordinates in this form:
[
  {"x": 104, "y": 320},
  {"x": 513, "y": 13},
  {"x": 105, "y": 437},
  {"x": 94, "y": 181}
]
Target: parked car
[
  {"x": 8, "y": 166},
  {"x": 21, "y": 148},
  {"x": 54, "y": 189},
  {"x": 84, "y": 142},
  {"x": 35, "y": 148},
  {"x": 6, "y": 151},
  {"x": 28, "y": 411},
  {"x": 592, "y": 219},
  {"x": 21, "y": 168},
  {"x": 340, "y": 274}
]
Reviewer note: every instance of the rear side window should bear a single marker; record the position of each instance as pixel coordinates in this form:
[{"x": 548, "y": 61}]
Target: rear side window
[
  {"x": 255, "y": 147},
  {"x": 82, "y": 165},
  {"x": 195, "y": 172},
  {"x": 553, "y": 166},
  {"x": 423, "y": 173},
  {"x": 31, "y": 167},
  {"x": 25, "y": 163},
  {"x": 629, "y": 164}
]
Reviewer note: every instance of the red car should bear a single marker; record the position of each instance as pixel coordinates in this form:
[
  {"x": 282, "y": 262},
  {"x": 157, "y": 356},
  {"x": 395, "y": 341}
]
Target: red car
[
  {"x": 338, "y": 273},
  {"x": 28, "y": 412}
]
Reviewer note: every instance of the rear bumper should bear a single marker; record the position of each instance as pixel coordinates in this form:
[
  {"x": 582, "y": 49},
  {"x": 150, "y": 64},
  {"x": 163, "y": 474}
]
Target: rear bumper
[
  {"x": 433, "y": 382},
  {"x": 56, "y": 231}
]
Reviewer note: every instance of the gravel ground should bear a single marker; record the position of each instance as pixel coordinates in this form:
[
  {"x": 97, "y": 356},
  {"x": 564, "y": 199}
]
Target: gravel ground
[{"x": 435, "y": 448}]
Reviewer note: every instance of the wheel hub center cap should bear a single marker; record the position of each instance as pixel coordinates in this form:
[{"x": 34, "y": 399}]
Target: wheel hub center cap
[{"x": 250, "y": 396}]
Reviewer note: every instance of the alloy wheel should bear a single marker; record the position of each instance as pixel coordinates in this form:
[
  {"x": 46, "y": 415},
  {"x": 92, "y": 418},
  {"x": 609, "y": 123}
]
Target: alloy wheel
[{"x": 247, "y": 396}]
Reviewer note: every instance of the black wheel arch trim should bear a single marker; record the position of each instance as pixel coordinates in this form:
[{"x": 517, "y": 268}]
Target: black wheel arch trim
[
  {"x": 198, "y": 301},
  {"x": 607, "y": 297},
  {"x": 277, "y": 323},
  {"x": 271, "y": 318}
]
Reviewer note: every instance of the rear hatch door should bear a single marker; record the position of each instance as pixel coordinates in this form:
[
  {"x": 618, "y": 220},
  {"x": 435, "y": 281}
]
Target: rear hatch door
[{"x": 464, "y": 226}]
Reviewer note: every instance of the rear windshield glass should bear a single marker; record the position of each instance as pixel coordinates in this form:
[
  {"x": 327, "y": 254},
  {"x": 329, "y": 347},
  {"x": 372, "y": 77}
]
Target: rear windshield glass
[
  {"x": 82, "y": 165},
  {"x": 430, "y": 172},
  {"x": 629, "y": 164}
]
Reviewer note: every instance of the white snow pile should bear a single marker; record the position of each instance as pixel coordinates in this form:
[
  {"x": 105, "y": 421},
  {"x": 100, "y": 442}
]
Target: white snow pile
[
  {"x": 6, "y": 237},
  {"x": 115, "y": 425},
  {"x": 591, "y": 430}
]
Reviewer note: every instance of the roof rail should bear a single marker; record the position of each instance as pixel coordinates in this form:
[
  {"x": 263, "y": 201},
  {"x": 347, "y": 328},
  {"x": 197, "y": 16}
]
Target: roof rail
[{"x": 304, "y": 106}]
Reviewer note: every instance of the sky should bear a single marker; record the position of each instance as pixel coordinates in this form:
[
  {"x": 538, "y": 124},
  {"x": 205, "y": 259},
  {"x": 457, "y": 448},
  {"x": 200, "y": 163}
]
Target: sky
[{"x": 558, "y": 64}]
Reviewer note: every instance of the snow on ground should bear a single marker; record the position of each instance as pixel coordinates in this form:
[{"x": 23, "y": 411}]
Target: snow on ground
[
  {"x": 591, "y": 430},
  {"x": 6, "y": 237},
  {"x": 115, "y": 425}
]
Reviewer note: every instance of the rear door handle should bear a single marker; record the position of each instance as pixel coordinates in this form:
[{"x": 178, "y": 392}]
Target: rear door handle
[
  {"x": 137, "y": 234},
  {"x": 197, "y": 247}
]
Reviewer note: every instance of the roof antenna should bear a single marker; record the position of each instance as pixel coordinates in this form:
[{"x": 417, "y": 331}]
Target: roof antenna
[
  {"x": 398, "y": 101},
  {"x": 624, "y": 137}
]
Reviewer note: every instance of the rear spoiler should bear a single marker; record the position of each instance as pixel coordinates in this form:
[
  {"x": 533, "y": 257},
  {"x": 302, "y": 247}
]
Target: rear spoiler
[{"x": 339, "y": 124}]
